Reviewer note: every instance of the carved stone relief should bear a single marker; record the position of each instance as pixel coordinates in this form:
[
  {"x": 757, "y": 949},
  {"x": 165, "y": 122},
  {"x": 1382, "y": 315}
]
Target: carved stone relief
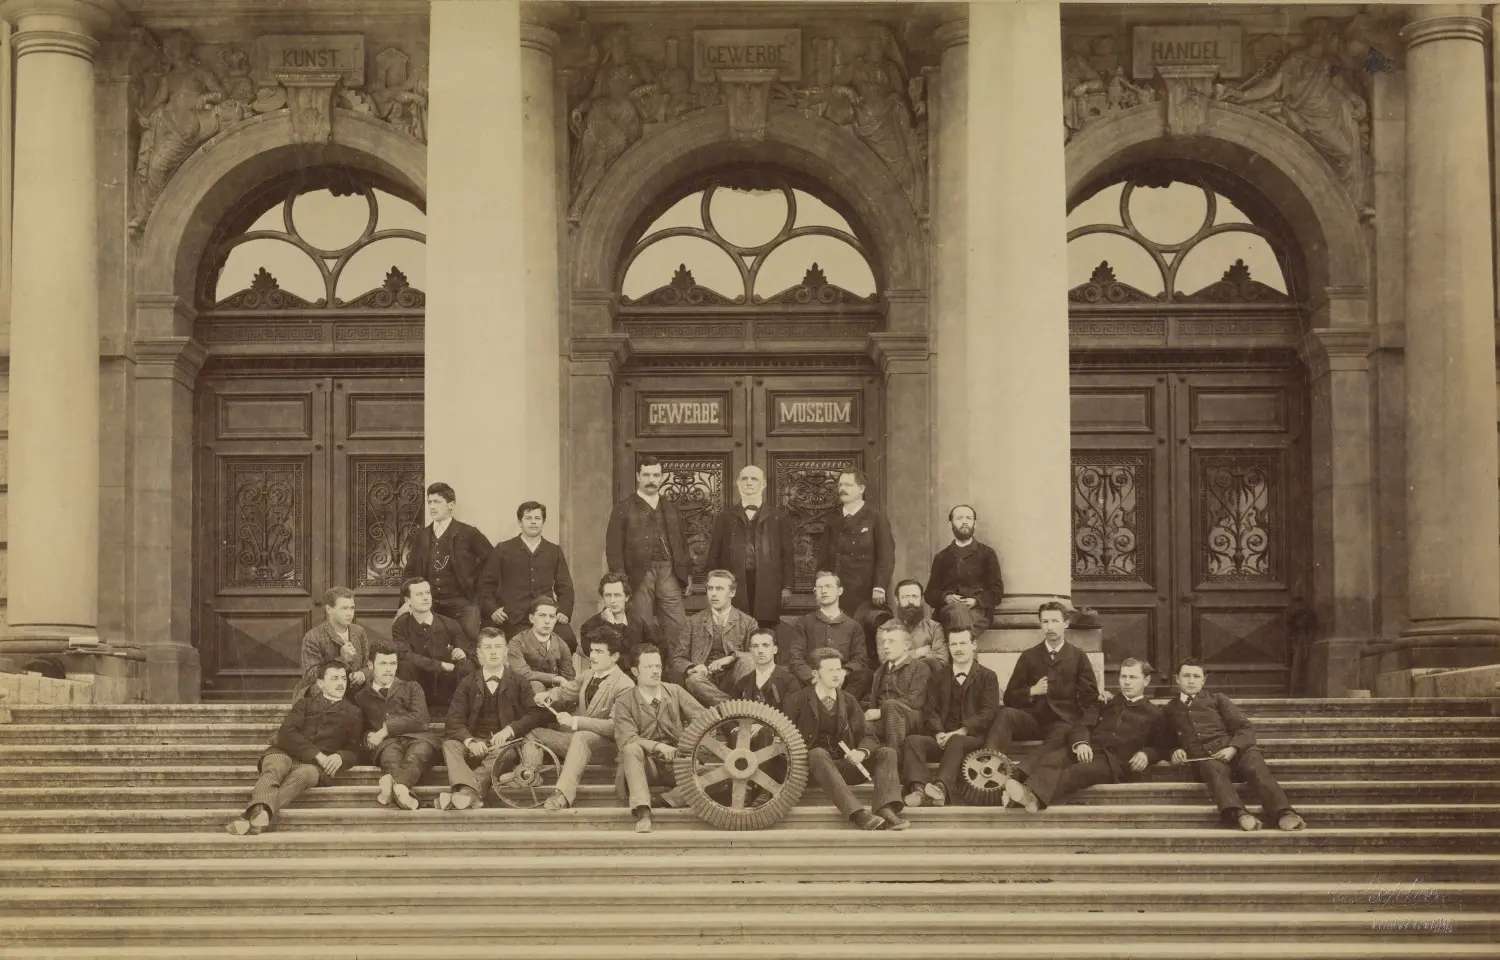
[{"x": 1094, "y": 82}]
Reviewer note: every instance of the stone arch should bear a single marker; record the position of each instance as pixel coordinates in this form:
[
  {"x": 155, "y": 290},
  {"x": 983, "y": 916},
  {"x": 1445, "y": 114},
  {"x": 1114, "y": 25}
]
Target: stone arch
[
  {"x": 823, "y": 151},
  {"x": 1281, "y": 165},
  {"x": 225, "y": 169}
]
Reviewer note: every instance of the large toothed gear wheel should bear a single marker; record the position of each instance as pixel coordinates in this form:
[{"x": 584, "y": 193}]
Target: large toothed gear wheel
[
  {"x": 531, "y": 777},
  {"x": 981, "y": 780},
  {"x": 743, "y": 765}
]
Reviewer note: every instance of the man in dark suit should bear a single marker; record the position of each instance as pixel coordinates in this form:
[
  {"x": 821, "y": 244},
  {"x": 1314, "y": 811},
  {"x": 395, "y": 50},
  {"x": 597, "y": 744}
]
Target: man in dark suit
[
  {"x": 644, "y": 541},
  {"x": 833, "y": 727},
  {"x": 450, "y": 555},
  {"x": 962, "y": 701},
  {"x": 433, "y": 648},
  {"x": 1050, "y": 688},
  {"x": 965, "y": 585},
  {"x": 614, "y": 593},
  {"x": 316, "y": 740},
  {"x": 525, "y": 568},
  {"x": 1111, "y": 743},
  {"x": 753, "y": 541},
  {"x": 829, "y": 627},
  {"x": 898, "y": 691},
  {"x": 491, "y": 707},
  {"x": 395, "y": 716},
  {"x": 769, "y": 683},
  {"x": 1208, "y": 730},
  {"x": 858, "y": 546}
]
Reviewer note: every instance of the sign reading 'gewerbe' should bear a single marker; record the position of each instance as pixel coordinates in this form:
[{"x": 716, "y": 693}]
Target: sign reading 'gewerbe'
[
  {"x": 1221, "y": 47},
  {"x": 291, "y": 55},
  {"x": 682, "y": 415},
  {"x": 715, "y": 50}
]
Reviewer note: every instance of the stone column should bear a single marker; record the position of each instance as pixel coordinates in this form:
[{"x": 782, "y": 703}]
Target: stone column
[
  {"x": 53, "y": 561},
  {"x": 478, "y": 376},
  {"x": 1453, "y": 517},
  {"x": 949, "y": 303}
]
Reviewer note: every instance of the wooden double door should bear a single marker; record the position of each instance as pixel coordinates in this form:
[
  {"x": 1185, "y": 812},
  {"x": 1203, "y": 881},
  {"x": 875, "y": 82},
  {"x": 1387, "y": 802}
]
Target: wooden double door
[
  {"x": 1190, "y": 511},
  {"x": 303, "y": 483},
  {"x": 802, "y": 430}
]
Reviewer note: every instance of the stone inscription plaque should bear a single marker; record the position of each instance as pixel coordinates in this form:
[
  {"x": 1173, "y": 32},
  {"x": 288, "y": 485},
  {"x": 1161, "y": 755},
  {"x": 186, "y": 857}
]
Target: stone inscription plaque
[
  {"x": 682, "y": 415},
  {"x": 293, "y": 55},
  {"x": 1221, "y": 47},
  {"x": 715, "y": 50},
  {"x": 816, "y": 414}
]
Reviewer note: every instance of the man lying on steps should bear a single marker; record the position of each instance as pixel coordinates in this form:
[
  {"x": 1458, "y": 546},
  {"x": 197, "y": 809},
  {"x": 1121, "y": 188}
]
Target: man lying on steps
[
  {"x": 1111, "y": 743},
  {"x": 317, "y": 739},
  {"x": 395, "y": 714}
]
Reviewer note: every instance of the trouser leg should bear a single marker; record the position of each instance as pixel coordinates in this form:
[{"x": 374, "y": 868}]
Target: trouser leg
[
  {"x": 827, "y": 774},
  {"x": 704, "y": 690},
  {"x": 465, "y": 612},
  {"x": 456, "y": 759},
  {"x": 1251, "y": 765},
  {"x": 883, "y": 766},
  {"x": 1012, "y": 725},
  {"x": 273, "y": 770},
  {"x": 952, "y": 761},
  {"x": 916, "y": 753},
  {"x": 671, "y": 614},
  {"x": 896, "y": 719},
  {"x": 1074, "y": 777},
  {"x": 418, "y": 756},
  {"x": 857, "y": 683},
  {"x": 632, "y": 760},
  {"x": 1216, "y": 775},
  {"x": 576, "y": 760}
]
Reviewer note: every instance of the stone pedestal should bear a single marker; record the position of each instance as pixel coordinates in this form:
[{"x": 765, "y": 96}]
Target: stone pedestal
[
  {"x": 1453, "y": 516},
  {"x": 1016, "y": 336}
]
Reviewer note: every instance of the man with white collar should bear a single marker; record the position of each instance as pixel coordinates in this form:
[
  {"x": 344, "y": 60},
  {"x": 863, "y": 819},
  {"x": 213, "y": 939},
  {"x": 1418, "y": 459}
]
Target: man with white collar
[
  {"x": 1050, "y": 688},
  {"x": 434, "y": 650},
  {"x": 898, "y": 691},
  {"x": 539, "y": 654},
  {"x": 579, "y": 734},
  {"x": 614, "y": 594},
  {"x": 491, "y": 707},
  {"x": 450, "y": 555},
  {"x": 644, "y": 541},
  {"x": 520, "y": 570},
  {"x": 962, "y": 701},
  {"x": 709, "y": 657},
  {"x": 338, "y": 637},
  {"x": 398, "y": 741},
  {"x": 965, "y": 585},
  {"x": 1110, "y": 743},
  {"x": 753, "y": 541},
  {"x": 828, "y": 626},
  {"x": 768, "y": 682},
  {"x": 649, "y": 722},
  {"x": 857, "y": 545}
]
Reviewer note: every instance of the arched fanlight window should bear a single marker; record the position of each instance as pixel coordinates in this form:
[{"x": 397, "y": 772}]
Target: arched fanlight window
[
  {"x": 729, "y": 246},
  {"x": 1178, "y": 242}
]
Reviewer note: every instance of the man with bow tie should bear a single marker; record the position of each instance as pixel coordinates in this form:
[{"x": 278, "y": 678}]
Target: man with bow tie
[
  {"x": 491, "y": 707},
  {"x": 398, "y": 741},
  {"x": 753, "y": 541},
  {"x": 1111, "y": 743},
  {"x": 1050, "y": 688},
  {"x": 962, "y": 700}
]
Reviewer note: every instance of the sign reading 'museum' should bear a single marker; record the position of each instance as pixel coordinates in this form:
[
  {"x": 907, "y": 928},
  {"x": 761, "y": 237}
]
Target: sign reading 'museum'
[
  {"x": 682, "y": 415},
  {"x": 1221, "y": 47},
  {"x": 715, "y": 50},
  {"x": 818, "y": 413},
  {"x": 291, "y": 55}
]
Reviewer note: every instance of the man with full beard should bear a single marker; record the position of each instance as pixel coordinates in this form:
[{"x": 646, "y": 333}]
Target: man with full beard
[
  {"x": 927, "y": 640},
  {"x": 965, "y": 586}
]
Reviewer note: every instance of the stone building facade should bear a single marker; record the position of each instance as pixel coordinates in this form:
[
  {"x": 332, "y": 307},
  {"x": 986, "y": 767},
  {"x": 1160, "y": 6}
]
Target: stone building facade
[{"x": 1294, "y": 478}]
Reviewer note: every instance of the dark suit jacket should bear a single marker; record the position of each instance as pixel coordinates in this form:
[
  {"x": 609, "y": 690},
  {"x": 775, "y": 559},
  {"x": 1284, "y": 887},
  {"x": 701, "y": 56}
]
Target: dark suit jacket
[
  {"x": 778, "y": 689},
  {"x": 861, "y": 550},
  {"x": 513, "y": 577},
  {"x": 1213, "y": 723},
  {"x": 909, "y": 681},
  {"x": 627, "y": 546},
  {"x": 403, "y": 714},
  {"x": 313, "y": 726},
  {"x": 976, "y": 574},
  {"x": 637, "y": 632},
  {"x": 1119, "y": 729},
  {"x": 774, "y": 560},
  {"x": 518, "y": 709},
  {"x": 802, "y": 708},
  {"x": 980, "y": 700},
  {"x": 811, "y": 631},
  {"x": 421, "y": 652},
  {"x": 470, "y": 548},
  {"x": 1071, "y": 690}
]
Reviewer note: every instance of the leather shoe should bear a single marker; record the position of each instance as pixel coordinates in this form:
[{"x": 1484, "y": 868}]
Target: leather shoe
[
  {"x": 913, "y": 799},
  {"x": 1290, "y": 821},
  {"x": 643, "y": 821},
  {"x": 936, "y": 793},
  {"x": 1018, "y": 792},
  {"x": 556, "y": 802},
  {"x": 1248, "y": 822},
  {"x": 866, "y": 820},
  {"x": 893, "y": 820}
]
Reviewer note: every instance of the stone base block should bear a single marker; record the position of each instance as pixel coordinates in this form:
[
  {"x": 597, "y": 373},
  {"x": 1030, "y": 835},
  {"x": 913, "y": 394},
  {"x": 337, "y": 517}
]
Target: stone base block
[
  {"x": 1466, "y": 682},
  {"x": 80, "y": 690},
  {"x": 173, "y": 674},
  {"x": 1333, "y": 667},
  {"x": 1399, "y": 683},
  {"x": 1392, "y": 668},
  {"x": 1000, "y": 649}
]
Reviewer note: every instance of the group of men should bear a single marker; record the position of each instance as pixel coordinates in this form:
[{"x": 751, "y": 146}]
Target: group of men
[{"x": 484, "y": 634}]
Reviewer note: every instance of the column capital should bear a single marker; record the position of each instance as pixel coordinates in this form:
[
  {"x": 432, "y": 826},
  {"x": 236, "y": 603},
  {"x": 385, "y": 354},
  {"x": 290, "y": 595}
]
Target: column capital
[
  {"x": 90, "y": 18},
  {"x": 1447, "y": 22},
  {"x": 951, "y": 34},
  {"x": 534, "y": 36}
]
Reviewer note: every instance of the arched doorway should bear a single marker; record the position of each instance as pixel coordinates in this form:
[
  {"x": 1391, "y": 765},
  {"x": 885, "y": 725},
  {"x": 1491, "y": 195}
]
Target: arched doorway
[
  {"x": 1190, "y": 474},
  {"x": 308, "y": 416}
]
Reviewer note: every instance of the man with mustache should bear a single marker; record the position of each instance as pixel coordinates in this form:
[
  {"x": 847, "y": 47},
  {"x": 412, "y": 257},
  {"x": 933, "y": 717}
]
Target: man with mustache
[
  {"x": 450, "y": 555},
  {"x": 858, "y": 547},
  {"x": 644, "y": 541},
  {"x": 965, "y": 586},
  {"x": 927, "y": 638}
]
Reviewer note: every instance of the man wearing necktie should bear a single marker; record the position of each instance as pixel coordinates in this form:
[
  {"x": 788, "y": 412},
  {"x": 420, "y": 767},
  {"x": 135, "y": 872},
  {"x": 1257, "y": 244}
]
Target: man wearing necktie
[
  {"x": 583, "y": 713},
  {"x": 753, "y": 541},
  {"x": 1050, "y": 688},
  {"x": 491, "y": 707},
  {"x": 649, "y": 721},
  {"x": 398, "y": 741},
  {"x": 962, "y": 701}
]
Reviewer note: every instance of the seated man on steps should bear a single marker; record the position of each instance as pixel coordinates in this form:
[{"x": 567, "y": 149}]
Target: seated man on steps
[
  {"x": 898, "y": 691},
  {"x": 767, "y": 682},
  {"x": 1209, "y": 731},
  {"x": 614, "y": 594},
  {"x": 838, "y": 750},
  {"x": 491, "y": 707},
  {"x": 709, "y": 656},
  {"x": 649, "y": 721},
  {"x": 395, "y": 714},
  {"x": 537, "y": 653},
  {"x": 592, "y": 727},
  {"x": 962, "y": 701},
  {"x": 928, "y": 639},
  {"x": 338, "y": 637},
  {"x": 316, "y": 740},
  {"x": 828, "y": 626},
  {"x": 434, "y": 650},
  {"x": 1112, "y": 742},
  {"x": 1049, "y": 690}
]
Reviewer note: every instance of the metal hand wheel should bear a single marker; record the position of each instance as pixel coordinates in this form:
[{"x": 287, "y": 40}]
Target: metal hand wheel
[
  {"x": 743, "y": 765},
  {"x": 525, "y": 774},
  {"x": 981, "y": 780}
]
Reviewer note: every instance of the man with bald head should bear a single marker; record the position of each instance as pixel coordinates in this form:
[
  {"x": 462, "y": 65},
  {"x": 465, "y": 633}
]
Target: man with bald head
[{"x": 753, "y": 540}]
